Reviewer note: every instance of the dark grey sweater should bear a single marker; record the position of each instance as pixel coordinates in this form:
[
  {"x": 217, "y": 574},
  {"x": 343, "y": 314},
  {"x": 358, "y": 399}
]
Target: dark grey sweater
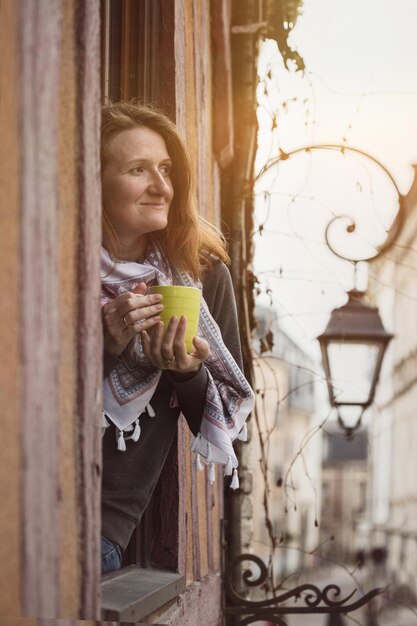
[{"x": 130, "y": 477}]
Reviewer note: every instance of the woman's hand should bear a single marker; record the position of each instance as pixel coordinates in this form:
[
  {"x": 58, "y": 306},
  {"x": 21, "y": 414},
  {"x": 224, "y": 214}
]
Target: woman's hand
[
  {"x": 168, "y": 352},
  {"x": 126, "y": 315}
]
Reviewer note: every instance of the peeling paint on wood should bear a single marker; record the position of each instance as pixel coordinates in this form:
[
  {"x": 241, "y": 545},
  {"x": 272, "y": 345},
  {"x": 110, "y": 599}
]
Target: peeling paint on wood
[
  {"x": 218, "y": 515},
  {"x": 180, "y": 67},
  {"x": 89, "y": 382},
  {"x": 10, "y": 329},
  {"x": 182, "y": 452},
  {"x": 203, "y": 107},
  {"x": 189, "y": 518},
  {"x": 195, "y": 524},
  {"x": 40, "y": 57},
  {"x": 202, "y": 482},
  {"x": 69, "y": 522},
  {"x": 222, "y": 81},
  {"x": 209, "y": 514}
]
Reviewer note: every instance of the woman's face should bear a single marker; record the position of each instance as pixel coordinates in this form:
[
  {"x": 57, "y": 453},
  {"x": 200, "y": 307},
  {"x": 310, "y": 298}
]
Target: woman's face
[{"x": 137, "y": 187}]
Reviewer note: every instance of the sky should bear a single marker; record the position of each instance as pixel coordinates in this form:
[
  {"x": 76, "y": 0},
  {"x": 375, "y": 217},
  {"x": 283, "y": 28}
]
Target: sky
[{"x": 360, "y": 90}]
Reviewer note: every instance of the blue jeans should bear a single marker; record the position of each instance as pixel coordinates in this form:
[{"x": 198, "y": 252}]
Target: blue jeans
[{"x": 111, "y": 556}]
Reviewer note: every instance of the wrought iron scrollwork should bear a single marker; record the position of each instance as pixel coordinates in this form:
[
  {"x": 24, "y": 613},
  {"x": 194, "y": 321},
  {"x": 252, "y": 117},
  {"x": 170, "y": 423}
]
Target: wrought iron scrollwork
[
  {"x": 306, "y": 598},
  {"x": 397, "y": 224}
]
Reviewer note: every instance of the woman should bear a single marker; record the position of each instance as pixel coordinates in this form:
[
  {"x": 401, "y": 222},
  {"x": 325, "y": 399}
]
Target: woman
[{"x": 152, "y": 234}]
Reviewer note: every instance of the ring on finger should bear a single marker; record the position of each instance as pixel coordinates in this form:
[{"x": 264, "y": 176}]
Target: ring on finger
[
  {"x": 124, "y": 319},
  {"x": 168, "y": 361}
]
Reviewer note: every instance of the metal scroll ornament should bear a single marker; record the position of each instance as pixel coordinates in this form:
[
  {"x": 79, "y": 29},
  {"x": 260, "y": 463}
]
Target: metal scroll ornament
[
  {"x": 305, "y": 599},
  {"x": 347, "y": 220}
]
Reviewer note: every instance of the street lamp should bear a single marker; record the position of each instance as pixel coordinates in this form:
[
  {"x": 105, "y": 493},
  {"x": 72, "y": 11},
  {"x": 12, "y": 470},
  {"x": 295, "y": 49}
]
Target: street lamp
[
  {"x": 353, "y": 347},
  {"x": 354, "y": 342}
]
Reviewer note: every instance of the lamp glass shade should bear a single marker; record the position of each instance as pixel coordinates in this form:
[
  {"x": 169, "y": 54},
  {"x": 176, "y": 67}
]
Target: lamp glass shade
[
  {"x": 353, "y": 346},
  {"x": 353, "y": 370}
]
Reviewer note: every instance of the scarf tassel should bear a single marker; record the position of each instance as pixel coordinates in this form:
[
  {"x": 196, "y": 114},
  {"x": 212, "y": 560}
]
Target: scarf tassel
[
  {"x": 198, "y": 464},
  {"x": 121, "y": 443},
  {"x": 150, "y": 410},
  {"x": 235, "y": 480},
  {"x": 136, "y": 432},
  {"x": 228, "y": 468},
  {"x": 211, "y": 474},
  {"x": 209, "y": 458}
]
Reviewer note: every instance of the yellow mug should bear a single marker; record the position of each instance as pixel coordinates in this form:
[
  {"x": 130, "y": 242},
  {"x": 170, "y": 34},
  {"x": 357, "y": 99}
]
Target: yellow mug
[{"x": 178, "y": 301}]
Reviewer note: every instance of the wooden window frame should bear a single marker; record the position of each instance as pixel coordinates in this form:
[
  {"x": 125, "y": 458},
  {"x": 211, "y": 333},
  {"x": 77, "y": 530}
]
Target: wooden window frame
[{"x": 137, "y": 50}]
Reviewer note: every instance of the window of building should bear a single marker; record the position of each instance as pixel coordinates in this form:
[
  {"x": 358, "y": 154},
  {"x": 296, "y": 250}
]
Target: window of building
[
  {"x": 137, "y": 47},
  {"x": 136, "y": 56}
]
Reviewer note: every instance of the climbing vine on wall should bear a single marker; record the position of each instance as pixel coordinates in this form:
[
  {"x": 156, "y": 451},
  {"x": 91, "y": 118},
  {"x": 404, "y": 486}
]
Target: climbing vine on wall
[{"x": 281, "y": 17}]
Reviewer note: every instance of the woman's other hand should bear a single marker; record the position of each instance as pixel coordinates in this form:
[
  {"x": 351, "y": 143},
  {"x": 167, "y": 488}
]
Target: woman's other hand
[
  {"x": 168, "y": 352},
  {"x": 127, "y": 315}
]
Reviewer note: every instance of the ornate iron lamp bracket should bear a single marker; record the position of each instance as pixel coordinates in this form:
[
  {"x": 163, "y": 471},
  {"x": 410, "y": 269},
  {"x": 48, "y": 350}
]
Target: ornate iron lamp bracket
[
  {"x": 375, "y": 335},
  {"x": 351, "y": 226},
  {"x": 305, "y": 599}
]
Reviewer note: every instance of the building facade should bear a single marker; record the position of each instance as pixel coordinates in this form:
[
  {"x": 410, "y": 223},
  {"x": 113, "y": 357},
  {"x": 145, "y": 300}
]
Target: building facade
[
  {"x": 344, "y": 495},
  {"x": 286, "y": 467},
  {"x": 394, "y": 501},
  {"x": 59, "y": 61}
]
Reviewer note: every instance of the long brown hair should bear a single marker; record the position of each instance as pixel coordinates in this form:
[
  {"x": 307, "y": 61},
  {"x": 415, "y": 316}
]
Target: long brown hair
[{"x": 188, "y": 238}]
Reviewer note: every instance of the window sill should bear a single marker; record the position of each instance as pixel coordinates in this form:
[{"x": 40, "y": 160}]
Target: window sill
[{"x": 132, "y": 593}]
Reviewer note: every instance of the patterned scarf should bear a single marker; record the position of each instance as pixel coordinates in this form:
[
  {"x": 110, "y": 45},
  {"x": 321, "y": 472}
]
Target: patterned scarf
[{"x": 128, "y": 390}]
